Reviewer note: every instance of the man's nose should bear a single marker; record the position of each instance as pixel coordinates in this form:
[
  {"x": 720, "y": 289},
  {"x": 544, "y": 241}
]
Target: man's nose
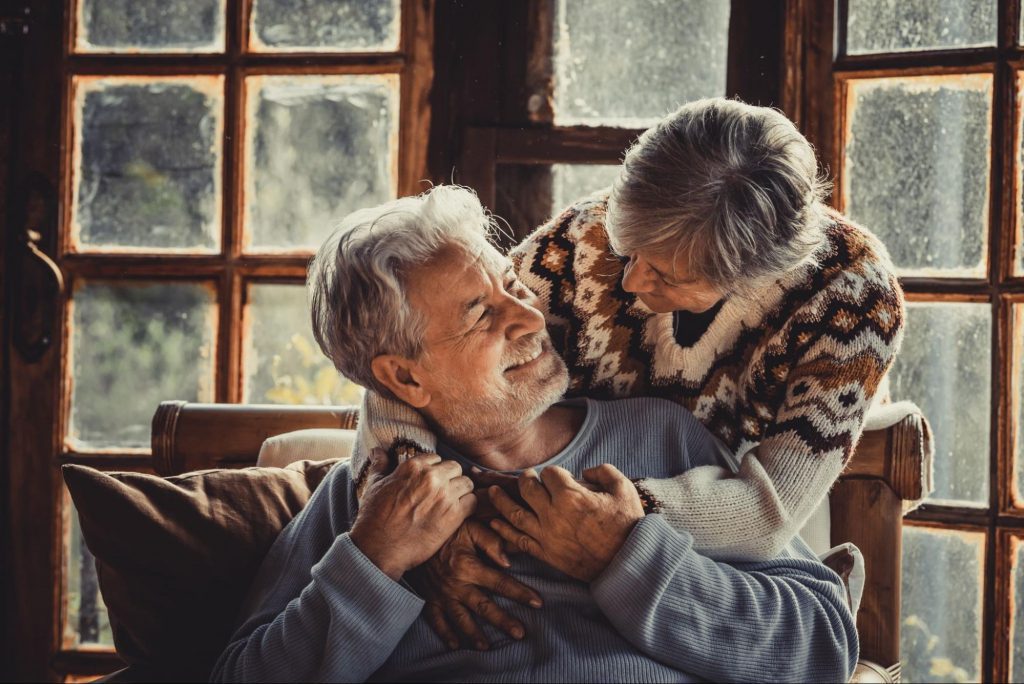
[{"x": 524, "y": 319}]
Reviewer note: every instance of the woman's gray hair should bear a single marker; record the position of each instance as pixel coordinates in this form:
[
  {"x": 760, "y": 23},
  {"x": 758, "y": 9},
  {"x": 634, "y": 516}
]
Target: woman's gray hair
[
  {"x": 356, "y": 281},
  {"x": 732, "y": 188}
]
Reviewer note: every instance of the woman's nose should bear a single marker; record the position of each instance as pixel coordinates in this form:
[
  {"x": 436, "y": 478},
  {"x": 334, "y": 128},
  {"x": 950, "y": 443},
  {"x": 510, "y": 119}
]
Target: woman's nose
[{"x": 635, "y": 279}]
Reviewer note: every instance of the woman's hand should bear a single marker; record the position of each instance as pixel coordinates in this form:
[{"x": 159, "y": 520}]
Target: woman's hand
[
  {"x": 453, "y": 580},
  {"x": 568, "y": 526}
]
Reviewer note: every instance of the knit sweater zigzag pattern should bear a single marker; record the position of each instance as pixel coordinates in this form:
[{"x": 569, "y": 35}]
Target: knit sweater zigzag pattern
[{"x": 791, "y": 374}]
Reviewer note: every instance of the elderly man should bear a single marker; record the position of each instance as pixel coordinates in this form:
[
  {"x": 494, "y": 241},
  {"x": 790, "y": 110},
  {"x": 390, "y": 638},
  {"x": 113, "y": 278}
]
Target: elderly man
[{"x": 411, "y": 300}]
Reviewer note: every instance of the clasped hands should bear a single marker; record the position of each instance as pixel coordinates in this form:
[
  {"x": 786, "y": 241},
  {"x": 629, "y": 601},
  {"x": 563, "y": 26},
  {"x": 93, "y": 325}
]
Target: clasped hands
[{"x": 418, "y": 519}]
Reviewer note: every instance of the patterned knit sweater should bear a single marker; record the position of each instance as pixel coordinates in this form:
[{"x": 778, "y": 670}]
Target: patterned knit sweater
[{"x": 783, "y": 380}]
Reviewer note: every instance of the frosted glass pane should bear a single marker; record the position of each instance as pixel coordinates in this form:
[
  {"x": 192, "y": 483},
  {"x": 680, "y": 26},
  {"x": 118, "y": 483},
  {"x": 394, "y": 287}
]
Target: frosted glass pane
[
  {"x": 283, "y": 364},
  {"x": 575, "y": 181},
  {"x": 1017, "y": 618},
  {"x": 87, "y": 619},
  {"x": 317, "y": 148},
  {"x": 148, "y": 163},
  {"x": 1019, "y": 247},
  {"x": 133, "y": 346},
  {"x": 940, "y": 634},
  {"x": 150, "y": 26},
  {"x": 630, "y": 63},
  {"x": 324, "y": 25},
  {"x": 916, "y": 169},
  {"x": 1017, "y": 390},
  {"x": 944, "y": 366},
  {"x": 904, "y": 25}
]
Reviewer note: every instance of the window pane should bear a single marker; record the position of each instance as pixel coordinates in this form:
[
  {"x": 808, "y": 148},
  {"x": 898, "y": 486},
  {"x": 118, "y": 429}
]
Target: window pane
[
  {"x": 87, "y": 620},
  {"x": 916, "y": 169},
  {"x": 283, "y": 364},
  {"x": 1019, "y": 248},
  {"x": 150, "y": 26},
  {"x": 318, "y": 147},
  {"x": 1017, "y": 328},
  {"x": 630, "y": 63},
  {"x": 1017, "y": 590},
  {"x": 905, "y": 25},
  {"x": 147, "y": 163},
  {"x": 945, "y": 359},
  {"x": 940, "y": 635},
  {"x": 324, "y": 26},
  {"x": 575, "y": 181},
  {"x": 133, "y": 346}
]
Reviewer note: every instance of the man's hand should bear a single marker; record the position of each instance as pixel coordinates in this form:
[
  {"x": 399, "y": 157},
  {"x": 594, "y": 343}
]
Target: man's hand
[
  {"x": 406, "y": 516},
  {"x": 567, "y": 526},
  {"x": 452, "y": 580}
]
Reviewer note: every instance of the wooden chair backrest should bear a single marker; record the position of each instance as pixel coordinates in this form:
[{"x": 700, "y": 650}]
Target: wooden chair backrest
[{"x": 866, "y": 503}]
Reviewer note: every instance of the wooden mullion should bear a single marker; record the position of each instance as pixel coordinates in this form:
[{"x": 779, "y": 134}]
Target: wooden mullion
[
  {"x": 935, "y": 59},
  {"x": 576, "y": 144},
  {"x": 868, "y": 72},
  {"x": 232, "y": 330},
  {"x": 1003, "y": 603},
  {"x": 417, "y": 75},
  {"x": 947, "y": 518}
]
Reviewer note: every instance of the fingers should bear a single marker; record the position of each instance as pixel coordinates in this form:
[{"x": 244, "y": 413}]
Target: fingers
[
  {"x": 437, "y": 620},
  {"x": 486, "y": 478},
  {"x": 533, "y": 490},
  {"x": 522, "y": 518},
  {"x": 557, "y": 479},
  {"x": 488, "y": 541},
  {"x": 460, "y": 486},
  {"x": 519, "y": 540},
  {"x": 378, "y": 466},
  {"x": 465, "y": 623},
  {"x": 505, "y": 585},
  {"x": 483, "y": 606},
  {"x": 609, "y": 479}
]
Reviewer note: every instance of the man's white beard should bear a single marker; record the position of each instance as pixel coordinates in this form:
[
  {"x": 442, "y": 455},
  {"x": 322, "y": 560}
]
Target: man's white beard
[{"x": 471, "y": 420}]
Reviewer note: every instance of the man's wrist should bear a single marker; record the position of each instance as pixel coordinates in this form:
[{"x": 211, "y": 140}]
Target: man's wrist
[{"x": 385, "y": 562}]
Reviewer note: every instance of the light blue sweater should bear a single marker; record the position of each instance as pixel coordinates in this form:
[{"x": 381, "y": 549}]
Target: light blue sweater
[{"x": 320, "y": 610}]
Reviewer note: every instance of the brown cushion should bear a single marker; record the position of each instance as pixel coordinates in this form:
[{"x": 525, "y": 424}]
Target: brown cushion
[{"x": 175, "y": 556}]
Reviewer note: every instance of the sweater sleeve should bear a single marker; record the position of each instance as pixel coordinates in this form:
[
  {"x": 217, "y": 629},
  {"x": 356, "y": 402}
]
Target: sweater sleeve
[
  {"x": 783, "y": 620},
  {"x": 319, "y": 610},
  {"x": 806, "y": 444}
]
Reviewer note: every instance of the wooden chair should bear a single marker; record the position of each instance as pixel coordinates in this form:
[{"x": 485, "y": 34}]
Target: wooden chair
[{"x": 866, "y": 504}]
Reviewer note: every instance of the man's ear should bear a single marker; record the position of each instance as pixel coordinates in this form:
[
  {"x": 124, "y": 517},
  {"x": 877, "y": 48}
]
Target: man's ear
[{"x": 401, "y": 376}]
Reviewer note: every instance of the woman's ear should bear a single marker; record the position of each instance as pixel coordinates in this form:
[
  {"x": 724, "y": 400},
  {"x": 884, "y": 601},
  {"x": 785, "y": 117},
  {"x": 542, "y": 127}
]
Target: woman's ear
[{"x": 401, "y": 376}]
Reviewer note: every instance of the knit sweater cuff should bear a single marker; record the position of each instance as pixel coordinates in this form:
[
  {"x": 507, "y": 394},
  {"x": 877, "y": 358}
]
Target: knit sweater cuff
[{"x": 387, "y": 607}]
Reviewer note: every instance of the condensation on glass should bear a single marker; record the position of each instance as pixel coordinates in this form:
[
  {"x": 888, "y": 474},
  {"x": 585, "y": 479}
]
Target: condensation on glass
[
  {"x": 941, "y": 607},
  {"x": 134, "y": 345},
  {"x": 324, "y": 26},
  {"x": 141, "y": 26},
  {"x": 910, "y": 25},
  {"x": 630, "y": 63},
  {"x": 1017, "y": 393},
  {"x": 944, "y": 366},
  {"x": 283, "y": 364},
  {"x": 571, "y": 182},
  {"x": 86, "y": 621},
  {"x": 1017, "y": 613},
  {"x": 317, "y": 148},
  {"x": 147, "y": 161},
  {"x": 1018, "y": 262},
  {"x": 916, "y": 169}
]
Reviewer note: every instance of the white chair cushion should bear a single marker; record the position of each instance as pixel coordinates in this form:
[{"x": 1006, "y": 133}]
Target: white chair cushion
[{"x": 306, "y": 445}]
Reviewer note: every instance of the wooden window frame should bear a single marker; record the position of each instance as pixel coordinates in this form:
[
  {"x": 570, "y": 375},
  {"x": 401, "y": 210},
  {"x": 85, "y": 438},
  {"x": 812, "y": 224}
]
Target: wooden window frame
[
  {"x": 999, "y": 286},
  {"x": 38, "y": 521}
]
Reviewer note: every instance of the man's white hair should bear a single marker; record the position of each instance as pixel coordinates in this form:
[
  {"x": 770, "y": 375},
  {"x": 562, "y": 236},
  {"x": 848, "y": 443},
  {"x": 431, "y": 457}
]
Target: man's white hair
[
  {"x": 731, "y": 188},
  {"x": 356, "y": 281}
]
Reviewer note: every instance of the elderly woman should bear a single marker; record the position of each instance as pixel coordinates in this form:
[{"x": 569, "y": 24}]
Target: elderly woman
[{"x": 714, "y": 276}]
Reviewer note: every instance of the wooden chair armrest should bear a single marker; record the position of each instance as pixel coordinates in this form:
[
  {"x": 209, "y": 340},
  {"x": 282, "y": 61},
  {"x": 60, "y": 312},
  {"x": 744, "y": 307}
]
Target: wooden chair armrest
[
  {"x": 895, "y": 455},
  {"x": 187, "y": 436}
]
